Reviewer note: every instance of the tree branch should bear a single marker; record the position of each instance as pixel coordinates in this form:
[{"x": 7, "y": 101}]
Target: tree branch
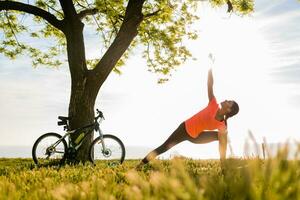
[
  {"x": 152, "y": 14},
  {"x": 230, "y": 7},
  {"x": 68, "y": 8},
  {"x": 82, "y": 6},
  {"x": 18, "y": 6},
  {"x": 11, "y": 28},
  {"x": 127, "y": 32},
  {"x": 86, "y": 12},
  {"x": 52, "y": 8}
]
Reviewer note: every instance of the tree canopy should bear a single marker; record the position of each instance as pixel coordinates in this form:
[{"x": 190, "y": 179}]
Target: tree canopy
[{"x": 165, "y": 24}]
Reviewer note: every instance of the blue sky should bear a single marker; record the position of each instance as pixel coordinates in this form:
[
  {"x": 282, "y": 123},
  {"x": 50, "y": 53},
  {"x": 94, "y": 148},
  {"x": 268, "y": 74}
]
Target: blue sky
[
  {"x": 283, "y": 33},
  {"x": 257, "y": 63}
]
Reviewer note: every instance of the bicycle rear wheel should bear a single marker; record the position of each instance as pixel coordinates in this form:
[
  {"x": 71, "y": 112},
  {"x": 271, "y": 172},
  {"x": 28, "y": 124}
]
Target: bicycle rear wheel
[
  {"x": 112, "y": 150},
  {"x": 49, "y": 149}
]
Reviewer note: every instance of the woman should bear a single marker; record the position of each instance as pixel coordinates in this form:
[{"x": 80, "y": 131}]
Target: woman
[{"x": 201, "y": 127}]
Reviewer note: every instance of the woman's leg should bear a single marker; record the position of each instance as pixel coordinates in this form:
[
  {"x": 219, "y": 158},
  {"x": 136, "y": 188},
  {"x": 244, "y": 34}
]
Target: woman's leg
[
  {"x": 176, "y": 137},
  {"x": 205, "y": 137}
]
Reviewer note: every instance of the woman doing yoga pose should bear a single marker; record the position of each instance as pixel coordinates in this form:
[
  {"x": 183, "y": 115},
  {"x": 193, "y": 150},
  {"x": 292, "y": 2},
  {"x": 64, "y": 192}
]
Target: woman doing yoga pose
[{"x": 209, "y": 124}]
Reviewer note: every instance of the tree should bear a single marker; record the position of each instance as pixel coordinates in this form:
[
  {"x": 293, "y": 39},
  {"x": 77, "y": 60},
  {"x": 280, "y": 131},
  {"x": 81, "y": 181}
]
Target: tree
[{"x": 156, "y": 26}]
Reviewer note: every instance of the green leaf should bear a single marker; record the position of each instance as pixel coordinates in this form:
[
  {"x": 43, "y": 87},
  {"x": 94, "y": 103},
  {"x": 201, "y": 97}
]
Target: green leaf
[{"x": 161, "y": 35}]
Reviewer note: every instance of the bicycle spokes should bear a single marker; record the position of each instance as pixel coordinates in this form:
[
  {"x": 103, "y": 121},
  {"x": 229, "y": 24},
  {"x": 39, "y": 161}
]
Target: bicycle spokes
[
  {"x": 48, "y": 149},
  {"x": 108, "y": 148}
]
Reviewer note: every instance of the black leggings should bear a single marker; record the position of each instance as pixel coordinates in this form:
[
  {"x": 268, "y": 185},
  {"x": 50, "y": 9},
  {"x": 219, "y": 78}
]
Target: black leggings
[{"x": 178, "y": 136}]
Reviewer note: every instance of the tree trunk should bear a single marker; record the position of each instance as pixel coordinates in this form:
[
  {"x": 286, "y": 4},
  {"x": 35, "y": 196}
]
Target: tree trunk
[
  {"x": 86, "y": 83},
  {"x": 83, "y": 93},
  {"x": 81, "y": 111}
]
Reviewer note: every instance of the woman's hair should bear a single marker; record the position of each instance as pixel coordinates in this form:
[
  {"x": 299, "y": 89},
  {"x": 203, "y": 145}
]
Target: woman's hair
[{"x": 233, "y": 111}]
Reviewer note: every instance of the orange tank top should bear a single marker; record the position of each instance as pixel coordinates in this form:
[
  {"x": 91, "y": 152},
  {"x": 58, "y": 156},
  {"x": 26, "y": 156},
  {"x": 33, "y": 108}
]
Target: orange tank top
[{"x": 204, "y": 120}]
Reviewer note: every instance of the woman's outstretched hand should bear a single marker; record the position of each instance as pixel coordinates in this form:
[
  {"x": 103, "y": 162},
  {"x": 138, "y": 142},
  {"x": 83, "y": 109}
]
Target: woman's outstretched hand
[{"x": 210, "y": 82}]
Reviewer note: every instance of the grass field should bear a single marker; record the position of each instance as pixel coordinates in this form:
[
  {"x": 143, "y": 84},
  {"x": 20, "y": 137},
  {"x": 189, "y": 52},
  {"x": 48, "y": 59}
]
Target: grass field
[{"x": 179, "y": 178}]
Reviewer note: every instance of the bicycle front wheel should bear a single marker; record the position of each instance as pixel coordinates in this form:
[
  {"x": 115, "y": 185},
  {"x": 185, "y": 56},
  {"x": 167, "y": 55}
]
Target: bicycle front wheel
[
  {"x": 110, "y": 149},
  {"x": 49, "y": 149}
]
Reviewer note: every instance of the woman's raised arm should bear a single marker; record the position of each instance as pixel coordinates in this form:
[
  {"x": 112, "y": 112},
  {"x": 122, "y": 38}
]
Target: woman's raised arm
[{"x": 210, "y": 83}]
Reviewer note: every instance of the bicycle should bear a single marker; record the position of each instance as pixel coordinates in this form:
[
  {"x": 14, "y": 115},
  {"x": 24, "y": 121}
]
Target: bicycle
[{"x": 52, "y": 148}]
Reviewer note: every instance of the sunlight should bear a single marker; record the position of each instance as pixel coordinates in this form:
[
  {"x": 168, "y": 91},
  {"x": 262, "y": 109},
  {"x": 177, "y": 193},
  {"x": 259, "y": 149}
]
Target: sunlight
[
  {"x": 241, "y": 72},
  {"x": 243, "y": 63},
  {"x": 256, "y": 64}
]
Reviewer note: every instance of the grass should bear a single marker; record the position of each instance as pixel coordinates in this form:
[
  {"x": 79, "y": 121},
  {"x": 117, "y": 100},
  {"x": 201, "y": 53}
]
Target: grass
[{"x": 179, "y": 178}]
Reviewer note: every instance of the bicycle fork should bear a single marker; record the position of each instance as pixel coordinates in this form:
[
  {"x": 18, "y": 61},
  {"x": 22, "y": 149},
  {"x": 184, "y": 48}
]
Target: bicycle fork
[{"x": 102, "y": 141}]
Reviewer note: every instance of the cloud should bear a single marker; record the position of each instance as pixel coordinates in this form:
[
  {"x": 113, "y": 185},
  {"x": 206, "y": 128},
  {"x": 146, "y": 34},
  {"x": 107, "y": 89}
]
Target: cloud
[
  {"x": 279, "y": 24},
  {"x": 287, "y": 74},
  {"x": 275, "y": 8}
]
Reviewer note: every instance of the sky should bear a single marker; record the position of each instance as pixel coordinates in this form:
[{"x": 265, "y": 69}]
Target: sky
[{"x": 256, "y": 63}]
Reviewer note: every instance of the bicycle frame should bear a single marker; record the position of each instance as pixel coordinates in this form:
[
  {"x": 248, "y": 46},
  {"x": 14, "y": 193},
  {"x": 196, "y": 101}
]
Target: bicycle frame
[{"x": 95, "y": 126}]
